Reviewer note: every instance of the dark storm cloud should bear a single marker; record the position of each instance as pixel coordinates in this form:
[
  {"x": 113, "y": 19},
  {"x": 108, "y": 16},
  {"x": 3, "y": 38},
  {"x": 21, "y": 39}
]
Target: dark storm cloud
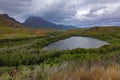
[
  {"x": 12, "y": 7},
  {"x": 76, "y": 12},
  {"x": 17, "y": 8},
  {"x": 60, "y": 11}
]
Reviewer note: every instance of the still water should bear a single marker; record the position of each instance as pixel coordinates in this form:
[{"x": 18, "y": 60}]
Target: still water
[{"x": 76, "y": 42}]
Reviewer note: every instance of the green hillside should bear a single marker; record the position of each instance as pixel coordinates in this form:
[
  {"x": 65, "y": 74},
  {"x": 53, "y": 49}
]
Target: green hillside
[
  {"x": 7, "y": 32},
  {"x": 9, "y": 21},
  {"x": 11, "y": 29}
]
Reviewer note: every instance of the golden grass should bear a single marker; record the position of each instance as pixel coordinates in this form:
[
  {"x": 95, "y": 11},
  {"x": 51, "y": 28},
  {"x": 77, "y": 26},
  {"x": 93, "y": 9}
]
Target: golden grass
[
  {"x": 111, "y": 72},
  {"x": 94, "y": 73}
]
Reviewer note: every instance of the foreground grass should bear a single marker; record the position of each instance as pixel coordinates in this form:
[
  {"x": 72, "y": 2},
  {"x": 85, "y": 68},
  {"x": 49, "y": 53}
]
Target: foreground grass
[
  {"x": 93, "y": 73},
  {"x": 72, "y": 71}
]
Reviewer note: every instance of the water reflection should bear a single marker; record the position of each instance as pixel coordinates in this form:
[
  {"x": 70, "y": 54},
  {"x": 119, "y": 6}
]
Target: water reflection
[{"x": 76, "y": 42}]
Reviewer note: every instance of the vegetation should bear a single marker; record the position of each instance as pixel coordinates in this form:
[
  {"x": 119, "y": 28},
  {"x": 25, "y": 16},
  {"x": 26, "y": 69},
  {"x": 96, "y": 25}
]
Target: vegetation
[{"x": 35, "y": 64}]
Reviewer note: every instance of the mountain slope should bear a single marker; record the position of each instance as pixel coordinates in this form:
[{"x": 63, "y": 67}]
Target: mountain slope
[
  {"x": 9, "y": 21},
  {"x": 12, "y": 29},
  {"x": 37, "y": 22}
]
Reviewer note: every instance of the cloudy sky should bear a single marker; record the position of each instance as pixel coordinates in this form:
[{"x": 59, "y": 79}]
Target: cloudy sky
[{"x": 82, "y": 13}]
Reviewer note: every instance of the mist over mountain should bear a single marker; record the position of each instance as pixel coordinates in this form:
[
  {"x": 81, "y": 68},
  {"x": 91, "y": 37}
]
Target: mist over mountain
[
  {"x": 81, "y": 13},
  {"x": 38, "y": 22}
]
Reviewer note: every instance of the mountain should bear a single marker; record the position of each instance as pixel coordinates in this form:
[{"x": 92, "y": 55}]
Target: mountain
[
  {"x": 9, "y": 21},
  {"x": 38, "y": 22},
  {"x": 66, "y": 27}
]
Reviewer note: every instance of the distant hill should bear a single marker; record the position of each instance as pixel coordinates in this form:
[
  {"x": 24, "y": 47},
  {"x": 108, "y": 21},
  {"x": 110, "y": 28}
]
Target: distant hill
[
  {"x": 102, "y": 30},
  {"x": 9, "y": 21},
  {"x": 38, "y": 22}
]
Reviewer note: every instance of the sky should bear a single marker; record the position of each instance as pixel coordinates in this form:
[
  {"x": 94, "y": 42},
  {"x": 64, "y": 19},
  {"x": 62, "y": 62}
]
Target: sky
[{"x": 81, "y": 13}]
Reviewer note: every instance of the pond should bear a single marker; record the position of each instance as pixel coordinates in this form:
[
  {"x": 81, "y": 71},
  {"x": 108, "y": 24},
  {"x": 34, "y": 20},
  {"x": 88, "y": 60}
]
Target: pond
[{"x": 76, "y": 42}]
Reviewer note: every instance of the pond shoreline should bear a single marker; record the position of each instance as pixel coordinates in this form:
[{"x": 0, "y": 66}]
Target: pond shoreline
[{"x": 65, "y": 43}]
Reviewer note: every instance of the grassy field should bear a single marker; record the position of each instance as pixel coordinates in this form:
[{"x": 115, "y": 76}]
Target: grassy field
[{"x": 24, "y": 52}]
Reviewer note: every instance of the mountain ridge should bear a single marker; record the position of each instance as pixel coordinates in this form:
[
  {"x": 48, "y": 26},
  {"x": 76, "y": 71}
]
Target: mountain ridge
[
  {"x": 9, "y": 21},
  {"x": 32, "y": 22},
  {"x": 38, "y": 22}
]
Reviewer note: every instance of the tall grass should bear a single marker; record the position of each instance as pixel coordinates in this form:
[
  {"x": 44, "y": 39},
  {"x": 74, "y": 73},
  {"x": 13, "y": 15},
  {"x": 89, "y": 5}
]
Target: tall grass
[
  {"x": 93, "y": 73},
  {"x": 71, "y": 71}
]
